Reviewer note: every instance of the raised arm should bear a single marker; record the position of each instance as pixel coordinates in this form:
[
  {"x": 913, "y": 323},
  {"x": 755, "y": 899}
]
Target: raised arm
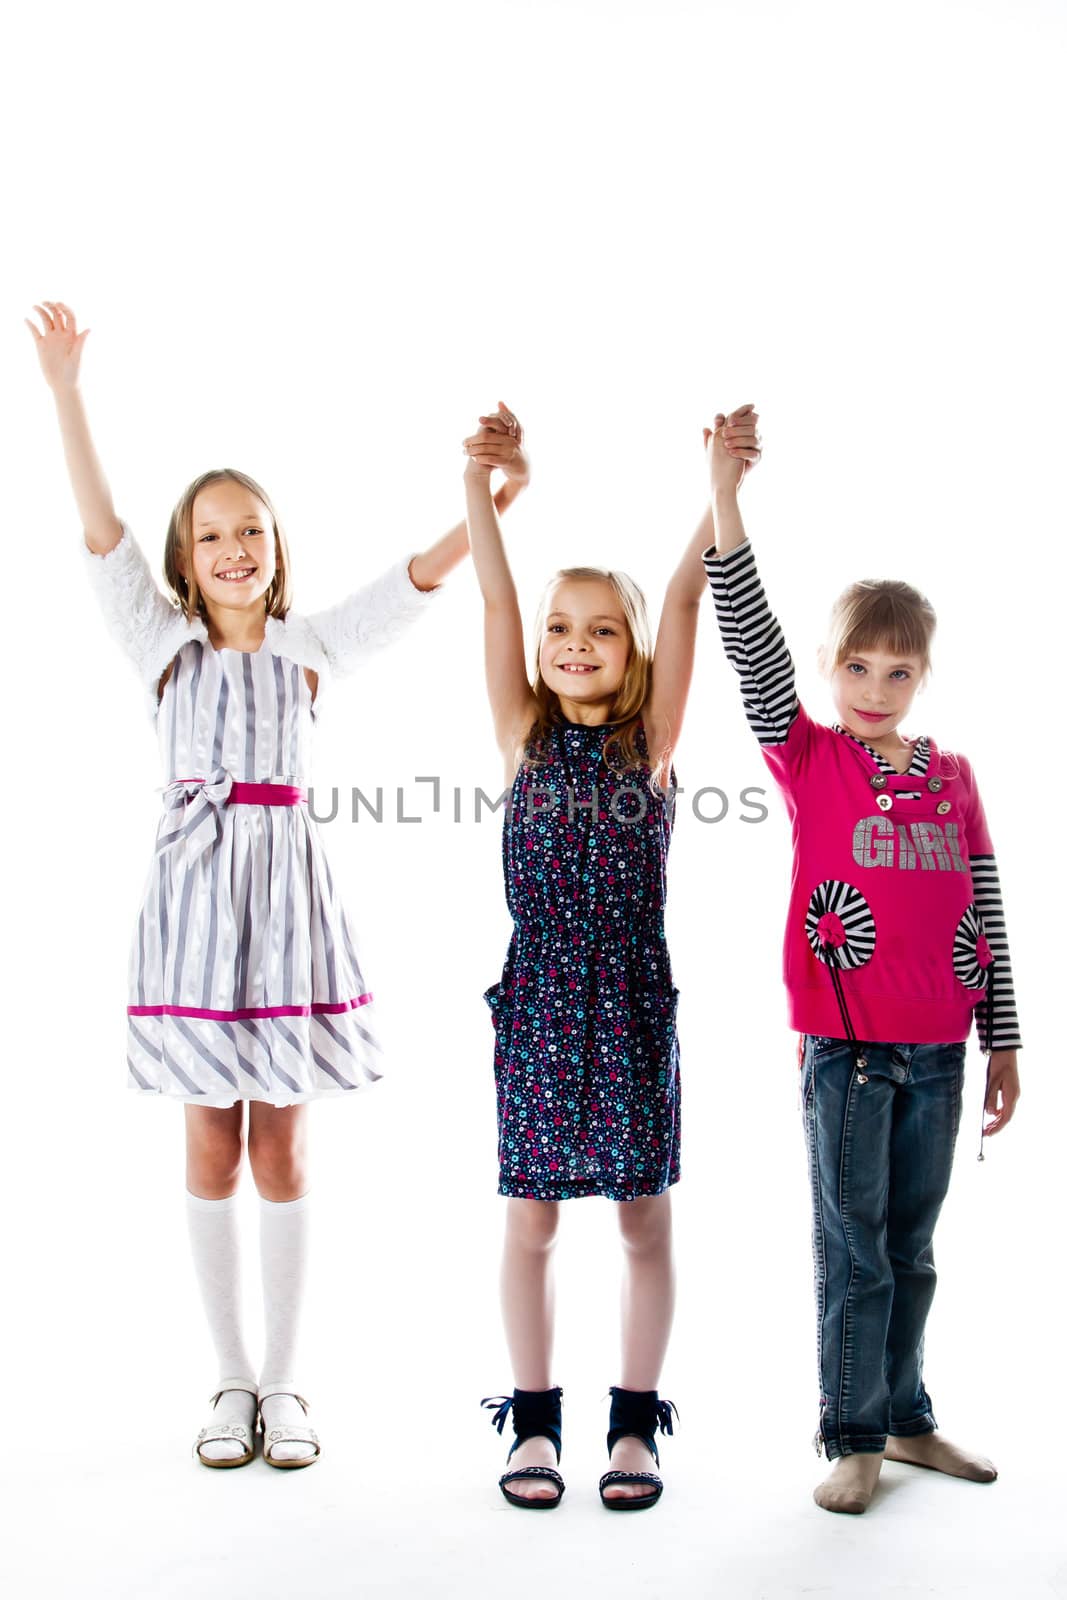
[
  {"x": 672, "y": 669},
  {"x": 150, "y": 628},
  {"x": 503, "y": 444},
  {"x": 511, "y": 698},
  {"x": 750, "y": 631},
  {"x": 380, "y": 612},
  {"x": 59, "y": 349}
]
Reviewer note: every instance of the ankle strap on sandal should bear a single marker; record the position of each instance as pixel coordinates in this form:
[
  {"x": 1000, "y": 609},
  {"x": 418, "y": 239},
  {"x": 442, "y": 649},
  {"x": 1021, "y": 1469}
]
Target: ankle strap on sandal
[
  {"x": 282, "y": 1388},
  {"x": 535, "y": 1413},
  {"x": 227, "y": 1385},
  {"x": 640, "y": 1412}
]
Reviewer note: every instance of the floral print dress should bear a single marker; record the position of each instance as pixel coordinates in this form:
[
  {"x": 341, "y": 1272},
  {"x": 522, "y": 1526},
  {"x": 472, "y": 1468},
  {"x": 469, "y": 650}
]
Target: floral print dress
[{"x": 586, "y": 1061}]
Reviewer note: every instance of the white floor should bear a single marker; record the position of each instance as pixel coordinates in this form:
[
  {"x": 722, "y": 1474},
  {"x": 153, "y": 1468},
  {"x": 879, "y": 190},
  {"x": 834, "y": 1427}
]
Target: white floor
[
  {"x": 156, "y": 1524},
  {"x": 103, "y": 1339}
]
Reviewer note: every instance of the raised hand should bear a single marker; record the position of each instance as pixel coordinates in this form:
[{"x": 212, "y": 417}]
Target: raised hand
[
  {"x": 59, "y": 347},
  {"x": 733, "y": 445},
  {"x": 498, "y": 443}
]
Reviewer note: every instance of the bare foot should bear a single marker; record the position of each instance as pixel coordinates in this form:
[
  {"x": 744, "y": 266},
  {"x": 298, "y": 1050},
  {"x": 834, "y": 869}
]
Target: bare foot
[
  {"x": 535, "y": 1452},
  {"x": 851, "y": 1483},
  {"x": 630, "y": 1455},
  {"x": 933, "y": 1450}
]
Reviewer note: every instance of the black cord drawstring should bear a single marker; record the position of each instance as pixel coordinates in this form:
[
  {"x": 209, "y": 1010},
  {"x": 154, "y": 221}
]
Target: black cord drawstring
[
  {"x": 830, "y": 956},
  {"x": 504, "y": 1402},
  {"x": 990, "y": 978},
  {"x": 663, "y": 1415}
]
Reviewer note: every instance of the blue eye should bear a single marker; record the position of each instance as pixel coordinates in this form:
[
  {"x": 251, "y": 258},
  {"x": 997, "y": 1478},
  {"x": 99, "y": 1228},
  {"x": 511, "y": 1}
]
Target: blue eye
[
  {"x": 900, "y": 672},
  {"x": 855, "y": 666}
]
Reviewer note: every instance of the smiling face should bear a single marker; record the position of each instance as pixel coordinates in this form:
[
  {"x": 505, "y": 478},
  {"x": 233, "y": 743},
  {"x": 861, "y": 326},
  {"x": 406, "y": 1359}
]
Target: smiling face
[
  {"x": 872, "y": 693},
  {"x": 585, "y": 647},
  {"x": 233, "y": 555}
]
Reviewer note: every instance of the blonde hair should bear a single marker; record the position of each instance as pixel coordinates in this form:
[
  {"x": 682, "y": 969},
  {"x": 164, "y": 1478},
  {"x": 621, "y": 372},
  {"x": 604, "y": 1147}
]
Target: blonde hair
[
  {"x": 180, "y": 543},
  {"x": 879, "y": 613},
  {"x": 633, "y": 691}
]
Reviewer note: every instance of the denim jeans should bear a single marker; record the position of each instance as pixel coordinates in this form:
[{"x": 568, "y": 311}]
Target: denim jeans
[{"x": 879, "y": 1159}]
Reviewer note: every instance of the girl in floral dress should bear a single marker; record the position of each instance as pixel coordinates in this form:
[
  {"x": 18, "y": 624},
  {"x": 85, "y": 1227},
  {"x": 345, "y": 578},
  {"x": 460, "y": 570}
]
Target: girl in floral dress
[{"x": 586, "y": 1060}]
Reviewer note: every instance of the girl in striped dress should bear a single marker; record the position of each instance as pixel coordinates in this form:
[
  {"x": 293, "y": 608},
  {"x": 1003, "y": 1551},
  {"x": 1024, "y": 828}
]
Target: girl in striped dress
[
  {"x": 895, "y": 947},
  {"x": 246, "y": 985}
]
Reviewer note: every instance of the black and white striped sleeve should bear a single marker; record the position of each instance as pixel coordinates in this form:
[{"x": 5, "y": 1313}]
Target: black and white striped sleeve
[
  {"x": 1004, "y": 1034},
  {"x": 754, "y": 643}
]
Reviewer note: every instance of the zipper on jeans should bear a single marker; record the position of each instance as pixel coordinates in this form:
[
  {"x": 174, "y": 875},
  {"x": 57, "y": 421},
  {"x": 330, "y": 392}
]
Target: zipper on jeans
[{"x": 818, "y": 1441}]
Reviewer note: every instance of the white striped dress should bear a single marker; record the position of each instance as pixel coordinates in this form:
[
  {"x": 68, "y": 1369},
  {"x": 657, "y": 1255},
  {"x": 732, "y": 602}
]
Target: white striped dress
[{"x": 245, "y": 981}]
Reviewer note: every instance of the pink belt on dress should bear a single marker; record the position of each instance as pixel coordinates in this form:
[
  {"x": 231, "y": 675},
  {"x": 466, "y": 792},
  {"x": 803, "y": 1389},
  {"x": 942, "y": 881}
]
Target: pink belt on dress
[
  {"x": 259, "y": 794},
  {"x": 198, "y": 801}
]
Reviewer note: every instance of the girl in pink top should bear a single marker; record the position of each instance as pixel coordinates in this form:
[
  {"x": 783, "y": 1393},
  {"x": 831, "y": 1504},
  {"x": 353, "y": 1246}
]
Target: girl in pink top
[{"x": 894, "y": 945}]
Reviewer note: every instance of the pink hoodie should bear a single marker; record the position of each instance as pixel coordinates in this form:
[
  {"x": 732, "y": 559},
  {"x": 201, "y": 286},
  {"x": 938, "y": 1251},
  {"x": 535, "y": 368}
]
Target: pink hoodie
[{"x": 884, "y": 883}]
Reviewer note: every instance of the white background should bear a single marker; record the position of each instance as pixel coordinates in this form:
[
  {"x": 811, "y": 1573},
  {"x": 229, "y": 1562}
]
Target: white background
[{"x": 314, "y": 242}]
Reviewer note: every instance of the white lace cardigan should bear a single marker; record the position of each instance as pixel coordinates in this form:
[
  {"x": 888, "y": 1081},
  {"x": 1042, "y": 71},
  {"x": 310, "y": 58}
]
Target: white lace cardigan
[{"x": 152, "y": 629}]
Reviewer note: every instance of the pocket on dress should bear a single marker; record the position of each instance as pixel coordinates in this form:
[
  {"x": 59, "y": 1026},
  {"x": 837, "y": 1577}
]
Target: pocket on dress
[
  {"x": 497, "y": 1000},
  {"x": 656, "y": 1015},
  {"x": 502, "y": 1010}
]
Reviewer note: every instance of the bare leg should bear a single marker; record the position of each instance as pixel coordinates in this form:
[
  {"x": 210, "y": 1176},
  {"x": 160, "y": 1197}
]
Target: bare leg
[
  {"x": 647, "y": 1314},
  {"x": 214, "y": 1145},
  {"x": 277, "y": 1149},
  {"x": 527, "y": 1294},
  {"x": 935, "y": 1451}
]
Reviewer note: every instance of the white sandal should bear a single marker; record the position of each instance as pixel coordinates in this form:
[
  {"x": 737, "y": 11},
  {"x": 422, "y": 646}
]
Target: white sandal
[
  {"x": 245, "y": 1436},
  {"x": 287, "y": 1433}
]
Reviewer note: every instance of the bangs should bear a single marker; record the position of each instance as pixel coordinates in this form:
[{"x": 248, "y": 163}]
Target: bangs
[
  {"x": 632, "y": 692},
  {"x": 179, "y": 543},
  {"x": 885, "y": 616},
  {"x": 897, "y": 636}
]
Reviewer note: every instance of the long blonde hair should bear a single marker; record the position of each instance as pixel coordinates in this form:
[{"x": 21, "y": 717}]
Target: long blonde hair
[
  {"x": 879, "y": 613},
  {"x": 180, "y": 542},
  {"x": 633, "y": 691}
]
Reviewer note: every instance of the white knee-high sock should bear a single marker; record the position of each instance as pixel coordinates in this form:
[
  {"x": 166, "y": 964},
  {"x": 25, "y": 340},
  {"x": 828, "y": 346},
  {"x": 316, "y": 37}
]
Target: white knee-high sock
[
  {"x": 283, "y": 1239},
  {"x": 213, "y": 1236}
]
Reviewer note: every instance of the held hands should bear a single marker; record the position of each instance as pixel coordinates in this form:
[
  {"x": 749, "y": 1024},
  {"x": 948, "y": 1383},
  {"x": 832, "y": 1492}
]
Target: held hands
[
  {"x": 733, "y": 446},
  {"x": 1002, "y": 1090},
  {"x": 498, "y": 443},
  {"x": 59, "y": 347}
]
